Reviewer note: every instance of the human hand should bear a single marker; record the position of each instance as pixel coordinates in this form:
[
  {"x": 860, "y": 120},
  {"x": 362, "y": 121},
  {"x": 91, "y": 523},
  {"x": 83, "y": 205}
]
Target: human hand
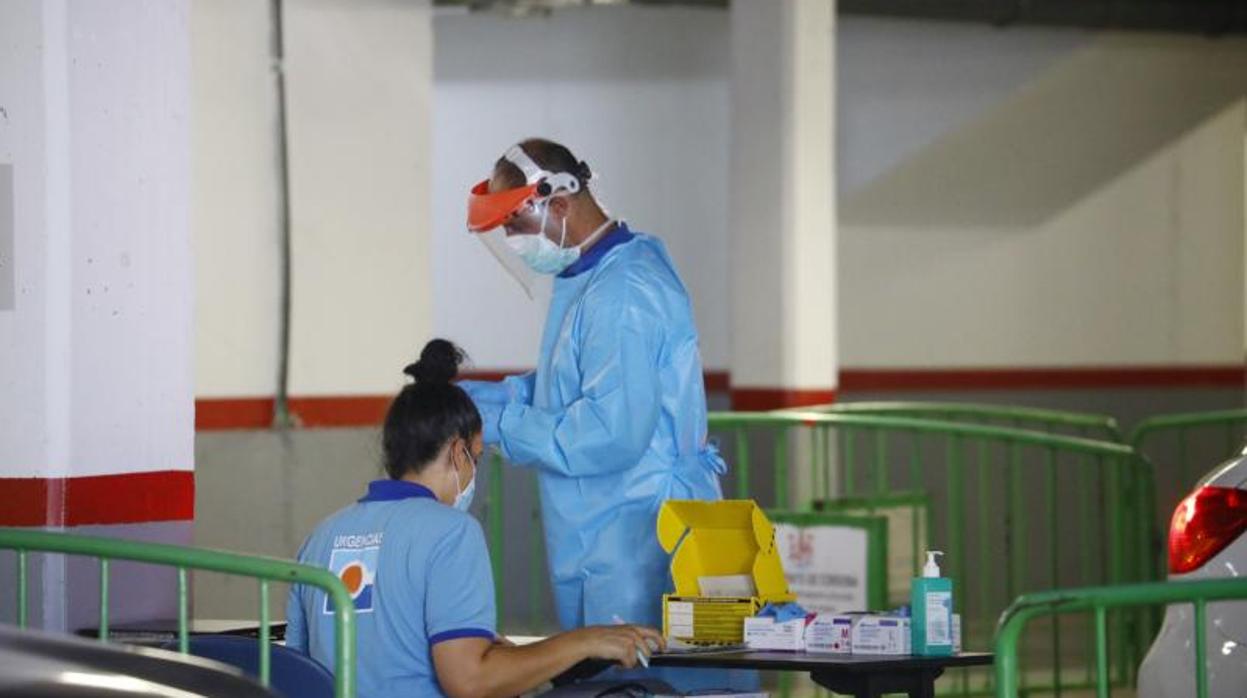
[
  {"x": 620, "y": 643},
  {"x": 491, "y": 418}
]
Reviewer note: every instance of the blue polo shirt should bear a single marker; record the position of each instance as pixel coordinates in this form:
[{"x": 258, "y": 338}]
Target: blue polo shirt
[{"x": 418, "y": 572}]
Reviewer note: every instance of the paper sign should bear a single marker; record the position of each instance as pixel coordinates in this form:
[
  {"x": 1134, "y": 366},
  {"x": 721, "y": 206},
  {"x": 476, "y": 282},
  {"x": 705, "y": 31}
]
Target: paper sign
[{"x": 825, "y": 566}]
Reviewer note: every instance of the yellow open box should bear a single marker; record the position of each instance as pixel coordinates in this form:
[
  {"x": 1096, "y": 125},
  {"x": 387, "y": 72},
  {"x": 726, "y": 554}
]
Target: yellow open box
[{"x": 717, "y": 539}]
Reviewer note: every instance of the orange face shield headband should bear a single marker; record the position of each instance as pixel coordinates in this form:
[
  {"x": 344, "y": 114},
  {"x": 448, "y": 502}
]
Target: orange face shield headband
[{"x": 488, "y": 210}]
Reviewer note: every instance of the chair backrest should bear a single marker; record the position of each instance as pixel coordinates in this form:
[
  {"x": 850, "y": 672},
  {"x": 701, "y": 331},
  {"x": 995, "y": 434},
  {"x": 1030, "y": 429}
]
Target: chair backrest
[{"x": 293, "y": 674}]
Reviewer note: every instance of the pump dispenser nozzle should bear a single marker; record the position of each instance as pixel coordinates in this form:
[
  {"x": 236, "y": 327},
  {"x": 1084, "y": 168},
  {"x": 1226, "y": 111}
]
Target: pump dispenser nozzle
[{"x": 931, "y": 569}]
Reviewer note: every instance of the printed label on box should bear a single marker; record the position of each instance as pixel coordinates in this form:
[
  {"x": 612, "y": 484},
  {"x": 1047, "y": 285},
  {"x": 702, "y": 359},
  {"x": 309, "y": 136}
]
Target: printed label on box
[{"x": 881, "y": 635}]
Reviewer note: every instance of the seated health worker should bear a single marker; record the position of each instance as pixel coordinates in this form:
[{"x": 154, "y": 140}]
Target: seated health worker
[{"x": 418, "y": 570}]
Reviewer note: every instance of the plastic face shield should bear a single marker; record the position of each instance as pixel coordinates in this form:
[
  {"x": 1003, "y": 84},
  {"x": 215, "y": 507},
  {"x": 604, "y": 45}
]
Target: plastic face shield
[{"x": 489, "y": 212}]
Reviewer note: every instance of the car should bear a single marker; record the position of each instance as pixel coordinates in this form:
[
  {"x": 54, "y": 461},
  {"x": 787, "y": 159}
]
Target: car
[
  {"x": 1206, "y": 541},
  {"x": 38, "y": 663}
]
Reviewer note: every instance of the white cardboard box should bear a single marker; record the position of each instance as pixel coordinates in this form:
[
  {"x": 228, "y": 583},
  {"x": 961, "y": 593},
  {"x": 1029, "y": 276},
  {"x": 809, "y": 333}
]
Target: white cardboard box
[
  {"x": 874, "y": 634},
  {"x": 956, "y": 633},
  {"x": 763, "y": 633},
  {"x": 830, "y": 633}
]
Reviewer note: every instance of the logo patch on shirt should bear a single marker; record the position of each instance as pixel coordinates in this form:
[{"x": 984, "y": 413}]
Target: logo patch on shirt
[{"x": 357, "y": 568}]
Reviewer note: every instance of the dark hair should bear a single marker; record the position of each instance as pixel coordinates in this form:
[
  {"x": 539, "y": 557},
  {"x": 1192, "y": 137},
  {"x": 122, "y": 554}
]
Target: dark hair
[
  {"x": 550, "y": 156},
  {"x": 429, "y": 412}
]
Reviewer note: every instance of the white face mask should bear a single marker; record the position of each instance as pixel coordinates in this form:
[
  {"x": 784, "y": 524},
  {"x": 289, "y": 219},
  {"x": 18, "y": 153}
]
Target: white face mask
[
  {"x": 539, "y": 252},
  {"x": 542, "y": 255},
  {"x": 463, "y": 499}
]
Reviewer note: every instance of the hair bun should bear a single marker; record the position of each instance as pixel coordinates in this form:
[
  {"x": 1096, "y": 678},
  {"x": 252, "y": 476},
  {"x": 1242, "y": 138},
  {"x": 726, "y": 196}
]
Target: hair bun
[
  {"x": 439, "y": 363},
  {"x": 583, "y": 171}
]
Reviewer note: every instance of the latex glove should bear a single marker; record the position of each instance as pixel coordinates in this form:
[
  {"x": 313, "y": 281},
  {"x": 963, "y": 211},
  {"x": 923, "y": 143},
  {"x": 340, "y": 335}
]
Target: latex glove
[
  {"x": 491, "y": 417},
  {"x": 485, "y": 391}
]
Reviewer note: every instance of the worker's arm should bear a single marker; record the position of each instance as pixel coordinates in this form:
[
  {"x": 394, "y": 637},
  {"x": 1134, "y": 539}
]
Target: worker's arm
[
  {"x": 607, "y": 429},
  {"x": 475, "y": 667}
]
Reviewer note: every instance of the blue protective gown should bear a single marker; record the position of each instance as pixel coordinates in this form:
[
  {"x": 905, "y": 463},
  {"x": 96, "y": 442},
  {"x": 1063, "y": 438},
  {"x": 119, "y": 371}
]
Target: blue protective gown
[{"x": 614, "y": 420}]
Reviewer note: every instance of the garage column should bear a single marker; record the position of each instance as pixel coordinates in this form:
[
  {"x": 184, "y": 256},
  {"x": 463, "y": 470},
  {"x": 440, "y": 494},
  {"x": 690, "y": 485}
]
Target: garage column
[
  {"x": 782, "y": 188},
  {"x": 96, "y": 282}
]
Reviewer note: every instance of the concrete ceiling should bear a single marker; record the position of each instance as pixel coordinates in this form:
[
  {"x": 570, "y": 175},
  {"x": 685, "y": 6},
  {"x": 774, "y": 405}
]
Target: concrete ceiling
[{"x": 1209, "y": 17}]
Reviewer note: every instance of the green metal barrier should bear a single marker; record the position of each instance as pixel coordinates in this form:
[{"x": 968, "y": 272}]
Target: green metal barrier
[
  {"x": 1197, "y": 441},
  {"x": 1070, "y": 509},
  {"x": 1087, "y": 425},
  {"x": 1099, "y": 601},
  {"x": 1175, "y": 450},
  {"x": 265, "y": 569}
]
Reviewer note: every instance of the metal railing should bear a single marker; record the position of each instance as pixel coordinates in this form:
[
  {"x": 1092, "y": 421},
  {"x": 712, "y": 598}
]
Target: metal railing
[
  {"x": 1072, "y": 511},
  {"x": 1174, "y": 451},
  {"x": 1185, "y": 446},
  {"x": 24, "y": 542},
  {"x": 1099, "y": 601},
  {"x": 1084, "y": 424}
]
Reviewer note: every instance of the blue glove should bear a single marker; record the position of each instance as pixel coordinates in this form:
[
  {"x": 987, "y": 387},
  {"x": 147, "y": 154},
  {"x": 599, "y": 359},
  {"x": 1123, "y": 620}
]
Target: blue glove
[
  {"x": 491, "y": 417},
  {"x": 486, "y": 391},
  {"x": 783, "y": 612}
]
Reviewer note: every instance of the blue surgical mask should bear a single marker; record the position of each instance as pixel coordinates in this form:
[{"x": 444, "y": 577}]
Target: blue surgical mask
[
  {"x": 463, "y": 500},
  {"x": 539, "y": 252}
]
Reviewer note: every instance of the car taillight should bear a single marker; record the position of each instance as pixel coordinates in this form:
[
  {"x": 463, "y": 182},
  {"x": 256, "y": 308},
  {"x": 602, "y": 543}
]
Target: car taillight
[{"x": 1203, "y": 524}]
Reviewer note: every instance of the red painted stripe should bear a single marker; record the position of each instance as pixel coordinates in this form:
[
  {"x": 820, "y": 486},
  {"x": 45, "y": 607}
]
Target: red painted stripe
[
  {"x": 350, "y": 411},
  {"x": 369, "y": 410},
  {"x": 165, "y": 495},
  {"x": 213, "y": 414},
  {"x": 758, "y": 399},
  {"x": 718, "y": 381},
  {"x": 1090, "y": 377}
]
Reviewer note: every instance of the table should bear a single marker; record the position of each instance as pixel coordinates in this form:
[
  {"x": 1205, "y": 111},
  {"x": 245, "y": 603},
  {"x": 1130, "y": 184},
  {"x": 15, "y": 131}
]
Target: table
[
  {"x": 862, "y": 676},
  {"x": 159, "y": 631}
]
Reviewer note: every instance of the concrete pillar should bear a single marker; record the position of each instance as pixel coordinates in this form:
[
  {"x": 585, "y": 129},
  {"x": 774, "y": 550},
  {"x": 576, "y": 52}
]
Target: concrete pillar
[
  {"x": 359, "y": 81},
  {"x": 782, "y": 189},
  {"x": 96, "y": 281}
]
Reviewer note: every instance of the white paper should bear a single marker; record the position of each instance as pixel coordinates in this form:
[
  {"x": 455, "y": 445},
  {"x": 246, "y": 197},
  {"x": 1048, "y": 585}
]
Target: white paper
[{"x": 734, "y": 585}]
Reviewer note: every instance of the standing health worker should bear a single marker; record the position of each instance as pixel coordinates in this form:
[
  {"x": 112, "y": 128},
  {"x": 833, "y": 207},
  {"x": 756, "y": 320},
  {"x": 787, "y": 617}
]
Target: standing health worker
[{"x": 614, "y": 416}]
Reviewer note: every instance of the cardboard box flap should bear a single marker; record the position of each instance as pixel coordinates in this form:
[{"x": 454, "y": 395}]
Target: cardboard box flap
[{"x": 710, "y": 539}]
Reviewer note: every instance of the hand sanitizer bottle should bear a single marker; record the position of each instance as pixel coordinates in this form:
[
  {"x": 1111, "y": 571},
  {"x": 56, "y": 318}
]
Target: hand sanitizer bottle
[{"x": 931, "y": 607}]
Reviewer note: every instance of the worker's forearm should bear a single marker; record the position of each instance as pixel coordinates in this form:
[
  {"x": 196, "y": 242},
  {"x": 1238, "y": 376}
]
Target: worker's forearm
[{"x": 510, "y": 671}]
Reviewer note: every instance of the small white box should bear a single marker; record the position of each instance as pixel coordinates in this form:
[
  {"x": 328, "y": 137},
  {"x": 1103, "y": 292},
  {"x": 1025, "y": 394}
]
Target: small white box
[
  {"x": 763, "y": 633},
  {"x": 874, "y": 634},
  {"x": 830, "y": 634},
  {"x": 956, "y": 633}
]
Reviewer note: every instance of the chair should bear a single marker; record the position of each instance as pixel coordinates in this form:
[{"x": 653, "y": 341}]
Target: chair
[{"x": 291, "y": 673}]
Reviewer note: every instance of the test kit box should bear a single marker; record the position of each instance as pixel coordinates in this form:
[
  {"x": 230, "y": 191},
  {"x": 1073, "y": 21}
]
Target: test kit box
[
  {"x": 956, "y": 633},
  {"x": 765, "y": 633},
  {"x": 725, "y": 567},
  {"x": 830, "y": 634},
  {"x": 874, "y": 634}
]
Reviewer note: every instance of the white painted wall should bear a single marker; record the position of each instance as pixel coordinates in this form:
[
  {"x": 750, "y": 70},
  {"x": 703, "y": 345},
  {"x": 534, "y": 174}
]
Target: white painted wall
[
  {"x": 1092, "y": 218},
  {"x": 23, "y": 146},
  {"x": 783, "y": 216},
  {"x": 358, "y": 81},
  {"x": 95, "y": 357},
  {"x": 965, "y": 143},
  {"x": 235, "y": 199}
]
